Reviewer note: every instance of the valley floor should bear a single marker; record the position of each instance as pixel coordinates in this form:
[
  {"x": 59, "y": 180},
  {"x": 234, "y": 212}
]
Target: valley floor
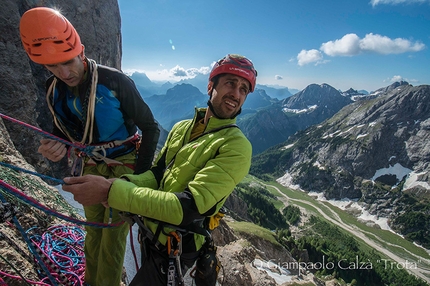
[{"x": 400, "y": 253}]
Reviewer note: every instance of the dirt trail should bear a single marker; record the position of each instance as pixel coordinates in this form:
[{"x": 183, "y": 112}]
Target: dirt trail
[{"x": 397, "y": 260}]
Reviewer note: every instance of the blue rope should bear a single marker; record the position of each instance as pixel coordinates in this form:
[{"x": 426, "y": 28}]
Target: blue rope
[
  {"x": 61, "y": 182},
  {"x": 12, "y": 190},
  {"x": 64, "y": 245},
  {"x": 30, "y": 246}
]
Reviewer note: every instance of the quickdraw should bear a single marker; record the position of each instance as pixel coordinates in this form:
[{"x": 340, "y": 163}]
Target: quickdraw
[{"x": 174, "y": 250}]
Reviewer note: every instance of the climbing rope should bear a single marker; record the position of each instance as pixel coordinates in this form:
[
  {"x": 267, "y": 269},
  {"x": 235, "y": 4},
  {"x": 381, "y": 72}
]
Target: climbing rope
[
  {"x": 30, "y": 246},
  {"x": 88, "y": 106},
  {"x": 55, "y": 266},
  {"x": 22, "y": 196},
  {"x": 87, "y": 149},
  {"x": 37, "y": 190},
  {"x": 48, "y": 266},
  {"x": 16, "y": 168},
  {"x": 62, "y": 249},
  {"x": 58, "y": 253}
]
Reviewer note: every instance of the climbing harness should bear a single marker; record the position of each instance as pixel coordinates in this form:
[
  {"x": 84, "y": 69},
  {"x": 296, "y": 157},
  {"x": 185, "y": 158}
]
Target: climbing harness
[
  {"x": 207, "y": 264},
  {"x": 76, "y": 158}
]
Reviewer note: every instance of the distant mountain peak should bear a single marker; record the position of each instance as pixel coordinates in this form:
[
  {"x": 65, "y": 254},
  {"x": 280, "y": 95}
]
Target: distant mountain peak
[
  {"x": 316, "y": 94},
  {"x": 391, "y": 87}
]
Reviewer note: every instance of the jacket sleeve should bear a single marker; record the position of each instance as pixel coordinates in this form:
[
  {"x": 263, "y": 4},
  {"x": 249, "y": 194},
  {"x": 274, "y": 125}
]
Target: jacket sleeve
[
  {"x": 139, "y": 112},
  {"x": 145, "y": 201},
  {"x": 205, "y": 194}
]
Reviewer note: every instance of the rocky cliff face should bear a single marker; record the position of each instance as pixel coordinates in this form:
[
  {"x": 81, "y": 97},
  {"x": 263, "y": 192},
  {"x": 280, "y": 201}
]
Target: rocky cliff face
[{"x": 23, "y": 82}]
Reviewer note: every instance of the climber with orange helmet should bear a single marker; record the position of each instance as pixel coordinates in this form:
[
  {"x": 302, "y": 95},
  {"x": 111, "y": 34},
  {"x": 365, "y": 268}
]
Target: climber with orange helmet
[
  {"x": 202, "y": 161},
  {"x": 98, "y": 106}
]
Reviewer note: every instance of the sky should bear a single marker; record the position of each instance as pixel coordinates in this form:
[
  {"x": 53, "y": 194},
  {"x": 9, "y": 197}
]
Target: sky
[{"x": 359, "y": 44}]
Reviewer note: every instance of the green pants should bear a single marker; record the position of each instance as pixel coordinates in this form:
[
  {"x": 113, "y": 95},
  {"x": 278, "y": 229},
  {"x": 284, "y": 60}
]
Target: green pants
[{"x": 105, "y": 247}]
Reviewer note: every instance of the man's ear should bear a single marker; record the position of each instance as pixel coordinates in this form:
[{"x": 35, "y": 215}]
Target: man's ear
[
  {"x": 82, "y": 54},
  {"x": 210, "y": 87}
]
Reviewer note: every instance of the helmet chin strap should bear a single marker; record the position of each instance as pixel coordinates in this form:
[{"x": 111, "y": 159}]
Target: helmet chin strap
[{"x": 216, "y": 115}]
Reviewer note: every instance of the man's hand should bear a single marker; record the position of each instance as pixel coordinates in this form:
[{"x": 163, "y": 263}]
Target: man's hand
[
  {"x": 52, "y": 149},
  {"x": 89, "y": 189}
]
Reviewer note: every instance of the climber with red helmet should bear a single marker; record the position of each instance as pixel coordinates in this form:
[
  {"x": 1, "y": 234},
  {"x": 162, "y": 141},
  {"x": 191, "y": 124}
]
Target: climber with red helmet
[
  {"x": 96, "y": 106},
  {"x": 177, "y": 202}
]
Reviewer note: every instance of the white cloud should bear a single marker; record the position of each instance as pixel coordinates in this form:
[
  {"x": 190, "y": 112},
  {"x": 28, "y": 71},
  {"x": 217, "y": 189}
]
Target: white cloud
[
  {"x": 396, "y": 78},
  {"x": 351, "y": 45},
  {"x": 384, "y": 45},
  {"x": 278, "y": 77},
  {"x": 395, "y": 2},
  {"x": 174, "y": 74},
  {"x": 307, "y": 57},
  {"x": 178, "y": 71}
]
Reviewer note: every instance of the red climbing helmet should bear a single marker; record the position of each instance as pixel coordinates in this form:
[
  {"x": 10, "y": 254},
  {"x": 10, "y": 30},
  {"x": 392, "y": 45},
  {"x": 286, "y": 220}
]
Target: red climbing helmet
[
  {"x": 48, "y": 37},
  {"x": 237, "y": 65}
]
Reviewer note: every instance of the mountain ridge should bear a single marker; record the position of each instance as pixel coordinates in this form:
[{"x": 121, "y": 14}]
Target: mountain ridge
[{"x": 353, "y": 155}]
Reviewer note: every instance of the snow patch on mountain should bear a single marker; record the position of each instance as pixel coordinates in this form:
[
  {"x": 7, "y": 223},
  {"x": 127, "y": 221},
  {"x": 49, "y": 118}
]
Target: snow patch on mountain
[{"x": 298, "y": 111}]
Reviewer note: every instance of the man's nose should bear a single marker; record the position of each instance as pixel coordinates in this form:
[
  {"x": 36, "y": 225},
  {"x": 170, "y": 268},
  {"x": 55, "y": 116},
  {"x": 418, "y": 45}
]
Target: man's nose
[
  {"x": 237, "y": 92},
  {"x": 63, "y": 71}
]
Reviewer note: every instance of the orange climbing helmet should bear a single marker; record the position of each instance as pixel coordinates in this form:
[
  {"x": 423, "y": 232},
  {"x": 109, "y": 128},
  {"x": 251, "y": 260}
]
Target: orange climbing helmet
[
  {"x": 237, "y": 65},
  {"x": 48, "y": 37}
]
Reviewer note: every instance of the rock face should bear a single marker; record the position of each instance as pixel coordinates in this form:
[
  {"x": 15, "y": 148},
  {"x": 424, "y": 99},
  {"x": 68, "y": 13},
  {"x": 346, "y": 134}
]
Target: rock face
[
  {"x": 23, "y": 82},
  {"x": 240, "y": 255}
]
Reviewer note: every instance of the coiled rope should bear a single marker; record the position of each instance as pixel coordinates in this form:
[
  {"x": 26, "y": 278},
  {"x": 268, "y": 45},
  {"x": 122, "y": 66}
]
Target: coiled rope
[
  {"x": 58, "y": 252},
  {"x": 30, "y": 245},
  {"x": 43, "y": 247},
  {"x": 62, "y": 248},
  {"x": 89, "y": 102}
]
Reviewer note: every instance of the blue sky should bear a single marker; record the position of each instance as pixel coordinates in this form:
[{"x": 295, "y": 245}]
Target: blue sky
[{"x": 360, "y": 44}]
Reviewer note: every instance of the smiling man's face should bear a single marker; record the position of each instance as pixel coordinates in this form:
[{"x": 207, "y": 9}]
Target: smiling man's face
[{"x": 228, "y": 95}]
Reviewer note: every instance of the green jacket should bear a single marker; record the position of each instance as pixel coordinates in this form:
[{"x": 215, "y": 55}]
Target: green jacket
[{"x": 189, "y": 180}]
